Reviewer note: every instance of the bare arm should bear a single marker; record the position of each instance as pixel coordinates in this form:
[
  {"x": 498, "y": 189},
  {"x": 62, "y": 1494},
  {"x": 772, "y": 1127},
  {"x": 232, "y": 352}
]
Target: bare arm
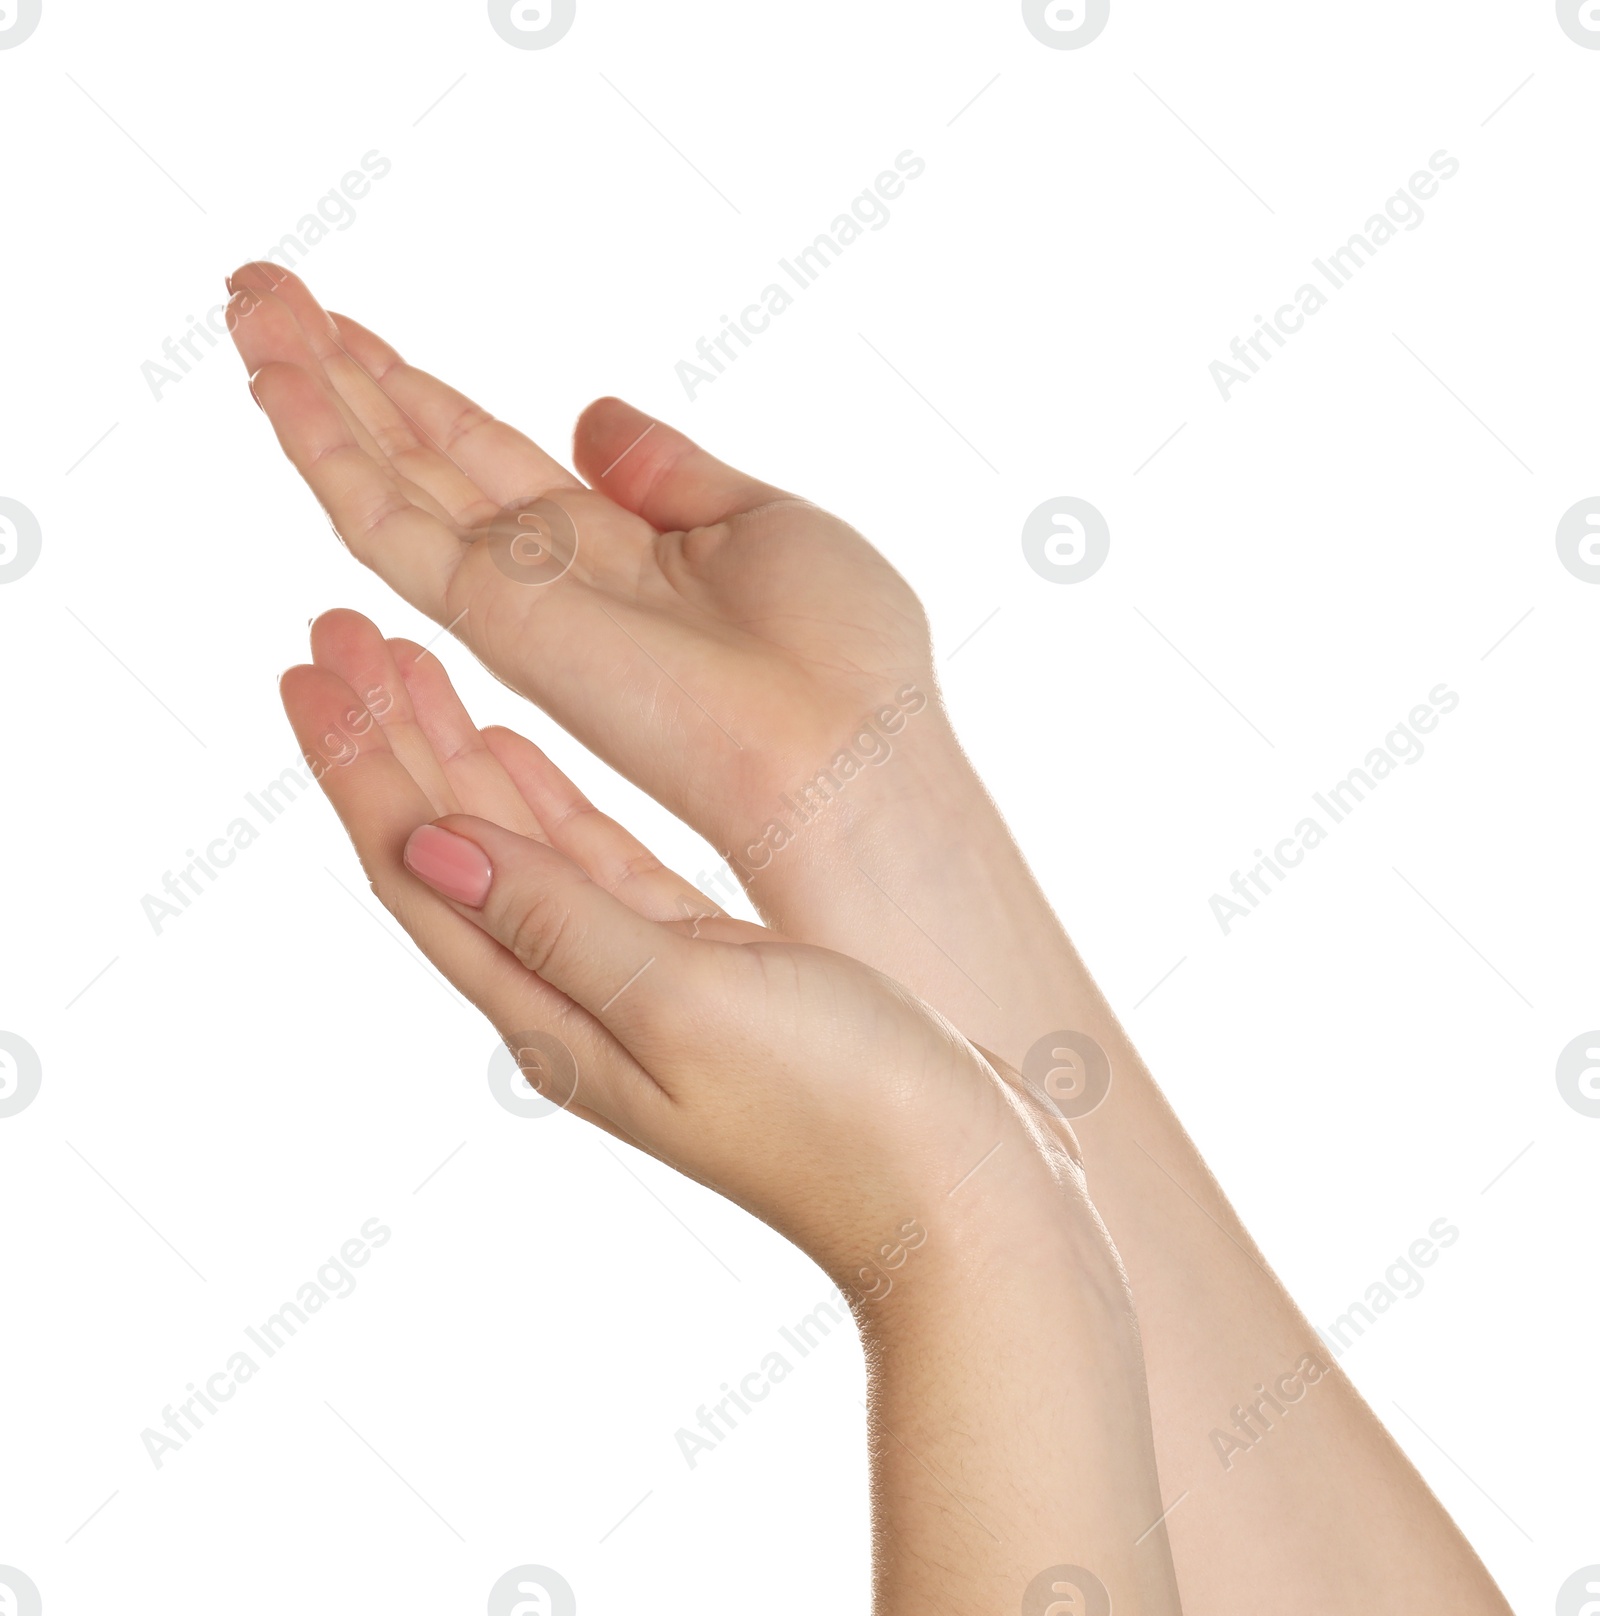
[
  {"x": 747, "y": 659},
  {"x": 1010, "y": 1428}
]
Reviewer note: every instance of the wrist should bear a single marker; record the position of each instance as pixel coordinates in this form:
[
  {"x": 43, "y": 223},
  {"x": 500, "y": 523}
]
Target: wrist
[
  {"x": 1009, "y": 1419},
  {"x": 909, "y": 867},
  {"x": 1010, "y": 1237}
]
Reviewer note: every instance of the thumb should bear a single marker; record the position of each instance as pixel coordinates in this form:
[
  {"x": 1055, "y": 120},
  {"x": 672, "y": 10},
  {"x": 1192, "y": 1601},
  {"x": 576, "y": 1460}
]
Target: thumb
[
  {"x": 634, "y": 976},
  {"x": 658, "y": 473}
]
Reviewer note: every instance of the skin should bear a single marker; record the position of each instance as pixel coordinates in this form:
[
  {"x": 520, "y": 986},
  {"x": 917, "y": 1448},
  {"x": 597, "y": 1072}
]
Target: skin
[
  {"x": 810, "y": 1090},
  {"x": 720, "y": 643}
]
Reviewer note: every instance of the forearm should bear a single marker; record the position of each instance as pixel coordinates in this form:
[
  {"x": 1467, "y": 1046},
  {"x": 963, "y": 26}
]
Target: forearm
[
  {"x": 918, "y": 876},
  {"x": 1012, "y": 1461}
]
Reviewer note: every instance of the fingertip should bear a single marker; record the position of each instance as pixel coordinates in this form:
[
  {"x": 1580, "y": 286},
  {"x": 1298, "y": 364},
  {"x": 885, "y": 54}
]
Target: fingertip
[
  {"x": 312, "y": 679},
  {"x": 543, "y": 786},
  {"x": 454, "y": 865},
  {"x": 376, "y": 354},
  {"x": 259, "y": 274},
  {"x": 424, "y": 676},
  {"x": 652, "y": 469},
  {"x": 406, "y": 652},
  {"x": 507, "y": 850},
  {"x": 337, "y": 632},
  {"x": 302, "y": 689},
  {"x": 610, "y": 404},
  {"x": 606, "y": 417}
]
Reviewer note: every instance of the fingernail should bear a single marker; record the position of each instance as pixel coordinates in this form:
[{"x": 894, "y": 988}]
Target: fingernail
[{"x": 449, "y": 864}]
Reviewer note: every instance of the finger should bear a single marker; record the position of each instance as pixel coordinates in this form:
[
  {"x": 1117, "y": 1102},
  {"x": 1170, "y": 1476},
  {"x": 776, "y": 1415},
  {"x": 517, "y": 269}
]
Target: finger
[
  {"x": 283, "y": 299},
  {"x": 351, "y": 646},
  {"x": 503, "y": 463},
  {"x": 605, "y": 851},
  {"x": 642, "y": 980},
  {"x": 505, "y": 466},
  {"x": 266, "y": 332},
  {"x": 380, "y": 805},
  {"x": 413, "y": 551},
  {"x": 477, "y": 779},
  {"x": 651, "y": 469}
]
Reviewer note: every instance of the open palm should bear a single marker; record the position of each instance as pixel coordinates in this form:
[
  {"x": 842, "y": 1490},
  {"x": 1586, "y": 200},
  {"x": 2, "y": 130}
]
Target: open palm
[
  {"x": 811, "y": 1090},
  {"x": 708, "y": 635}
]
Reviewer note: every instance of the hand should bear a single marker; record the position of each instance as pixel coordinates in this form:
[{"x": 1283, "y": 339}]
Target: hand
[
  {"x": 714, "y": 639},
  {"x": 809, "y": 1089},
  {"x": 804, "y": 1086},
  {"x": 719, "y": 644}
]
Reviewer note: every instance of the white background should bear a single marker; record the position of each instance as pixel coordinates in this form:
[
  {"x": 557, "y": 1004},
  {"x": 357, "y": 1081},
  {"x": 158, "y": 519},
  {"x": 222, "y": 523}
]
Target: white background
[{"x": 1365, "y": 520}]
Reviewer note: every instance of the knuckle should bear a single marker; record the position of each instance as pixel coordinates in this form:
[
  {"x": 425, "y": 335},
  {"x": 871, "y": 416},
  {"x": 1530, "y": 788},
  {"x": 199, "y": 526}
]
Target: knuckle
[{"x": 537, "y": 931}]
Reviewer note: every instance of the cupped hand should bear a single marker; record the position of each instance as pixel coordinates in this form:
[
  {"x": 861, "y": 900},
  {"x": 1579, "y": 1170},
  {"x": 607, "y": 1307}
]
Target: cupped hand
[
  {"x": 714, "y": 639},
  {"x": 806, "y": 1087}
]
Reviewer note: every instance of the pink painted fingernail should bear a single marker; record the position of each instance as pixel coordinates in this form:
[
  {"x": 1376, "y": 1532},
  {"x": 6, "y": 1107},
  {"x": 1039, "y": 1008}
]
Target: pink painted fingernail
[{"x": 449, "y": 864}]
